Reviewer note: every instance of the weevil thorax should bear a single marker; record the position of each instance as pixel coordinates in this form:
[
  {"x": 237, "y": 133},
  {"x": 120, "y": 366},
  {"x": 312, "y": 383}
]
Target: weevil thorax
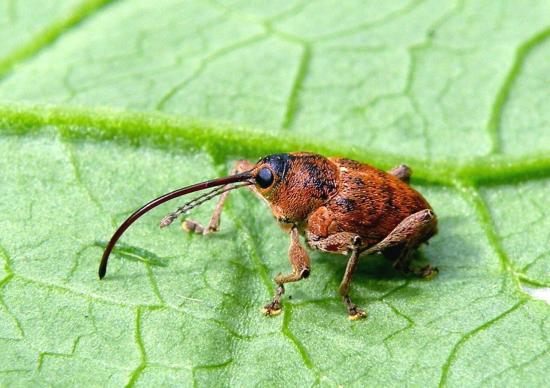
[{"x": 301, "y": 183}]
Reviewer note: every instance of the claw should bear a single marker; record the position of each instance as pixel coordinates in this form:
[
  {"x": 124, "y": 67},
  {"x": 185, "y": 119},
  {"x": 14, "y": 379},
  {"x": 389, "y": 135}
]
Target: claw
[
  {"x": 271, "y": 309},
  {"x": 357, "y": 314},
  {"x": 354, "y": 313},
  {"x": 428, "y": 272},
  {"x": 271, "y": 312}
]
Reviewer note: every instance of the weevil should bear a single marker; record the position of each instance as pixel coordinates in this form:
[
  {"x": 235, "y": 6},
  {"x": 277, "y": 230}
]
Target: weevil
[{"x": 336, "y": 205}]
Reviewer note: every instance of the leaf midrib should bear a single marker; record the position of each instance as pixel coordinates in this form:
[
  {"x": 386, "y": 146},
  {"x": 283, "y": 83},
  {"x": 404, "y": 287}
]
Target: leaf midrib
[{"x": 171, "y": 131}]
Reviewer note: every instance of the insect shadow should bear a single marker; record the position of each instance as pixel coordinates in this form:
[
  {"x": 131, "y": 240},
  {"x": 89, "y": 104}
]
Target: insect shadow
[{"x": 135, "y": 254}]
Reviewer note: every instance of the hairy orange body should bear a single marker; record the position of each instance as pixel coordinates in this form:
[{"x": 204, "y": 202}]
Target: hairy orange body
[{"x": 325, "y": 196}]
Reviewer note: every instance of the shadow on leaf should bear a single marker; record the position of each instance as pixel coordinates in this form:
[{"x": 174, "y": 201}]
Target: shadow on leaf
[{"x": 135, "y": 254}]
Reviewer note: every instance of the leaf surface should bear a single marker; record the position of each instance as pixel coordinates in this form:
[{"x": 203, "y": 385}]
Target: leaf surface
[{"x": 104, "y": 105}]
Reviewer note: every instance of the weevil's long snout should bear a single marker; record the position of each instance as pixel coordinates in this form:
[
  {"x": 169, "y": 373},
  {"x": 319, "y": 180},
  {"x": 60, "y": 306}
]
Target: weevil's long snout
[{"x": 242, "y": 177}]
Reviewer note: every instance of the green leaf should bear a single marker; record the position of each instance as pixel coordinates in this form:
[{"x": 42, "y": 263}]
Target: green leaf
[{"x": 105, "y": 105}]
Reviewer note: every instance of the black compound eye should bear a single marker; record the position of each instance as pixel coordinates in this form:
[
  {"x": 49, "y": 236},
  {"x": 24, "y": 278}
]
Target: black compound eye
[{"x": 264, "y": 179}]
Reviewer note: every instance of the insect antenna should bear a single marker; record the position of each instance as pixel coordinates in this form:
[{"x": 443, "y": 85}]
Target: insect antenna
[
  {"x": 171, "y": 217},
  {"x": 242, "y": 177}
]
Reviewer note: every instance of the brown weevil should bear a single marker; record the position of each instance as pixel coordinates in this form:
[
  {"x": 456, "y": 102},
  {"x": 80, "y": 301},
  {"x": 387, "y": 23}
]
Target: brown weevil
[{"x": 338, "y": 205}]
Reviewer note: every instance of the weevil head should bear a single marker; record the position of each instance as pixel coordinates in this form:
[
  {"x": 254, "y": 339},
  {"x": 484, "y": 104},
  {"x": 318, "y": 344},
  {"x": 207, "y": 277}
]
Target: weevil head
[{"x": 295, "y": 184}]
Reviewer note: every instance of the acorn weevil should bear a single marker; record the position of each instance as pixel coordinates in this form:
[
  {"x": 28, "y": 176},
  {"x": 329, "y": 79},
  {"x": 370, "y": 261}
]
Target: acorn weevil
[{"x": 338, "y": 205}]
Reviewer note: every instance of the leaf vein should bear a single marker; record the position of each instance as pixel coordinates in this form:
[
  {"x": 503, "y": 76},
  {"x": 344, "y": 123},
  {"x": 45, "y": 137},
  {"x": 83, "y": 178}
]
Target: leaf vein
[
  {"x": 456, "y": 348},
  {"x": 50, "y": 34},
  {"x": 299, "y": 77},
  {"x": 141, "y": 348},
  {"x": 522, "y": 52}
]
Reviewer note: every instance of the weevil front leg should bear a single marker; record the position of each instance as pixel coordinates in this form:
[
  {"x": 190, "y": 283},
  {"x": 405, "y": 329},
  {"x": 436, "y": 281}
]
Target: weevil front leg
[
  {"x": 299, "y": 260},
  {"x": 214, "y": 223}
]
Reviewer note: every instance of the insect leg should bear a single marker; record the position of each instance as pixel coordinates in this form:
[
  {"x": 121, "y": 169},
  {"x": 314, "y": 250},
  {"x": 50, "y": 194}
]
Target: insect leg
[
  {"x": 353, "y": 311},
  {"x": 403, "y": 172},
  {"x": 335, "y": 243},
  {"x": 214, "y": 223},
  {"x": 407, "y": 236},
  {"x": 299, "y": 260}
]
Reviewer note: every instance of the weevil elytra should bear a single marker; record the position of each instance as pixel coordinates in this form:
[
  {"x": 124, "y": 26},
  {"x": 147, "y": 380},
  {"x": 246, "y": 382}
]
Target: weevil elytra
[{"x": 337, "y": 205}]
